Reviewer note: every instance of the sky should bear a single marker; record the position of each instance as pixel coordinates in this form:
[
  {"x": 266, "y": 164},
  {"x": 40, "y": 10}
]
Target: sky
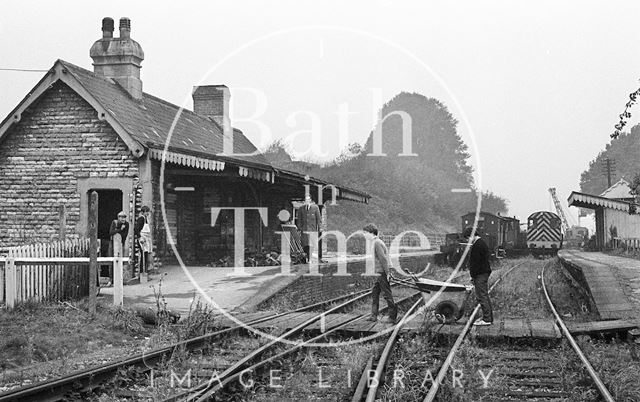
[{"x": 536, "y": 86}]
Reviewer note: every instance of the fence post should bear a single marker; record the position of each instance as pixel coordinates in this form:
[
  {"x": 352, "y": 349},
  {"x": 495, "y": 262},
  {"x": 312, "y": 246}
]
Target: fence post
[
  {"x": 3, "y": 269},
  {"x": 62, "y": 230},
  {"x": 118, "y": 291},
  {"x": 118, "y": 285},
  {"x": 93, "y": 251},
  {"x": 12, "y": 285}
]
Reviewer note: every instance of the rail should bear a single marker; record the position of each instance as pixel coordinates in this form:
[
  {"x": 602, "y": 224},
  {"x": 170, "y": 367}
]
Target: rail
[
  {"x": 221, "y": 384},
  {"x": 55, "y": 388},
  {"x": 445, "y": 367},
  {"x": 205, "y": 390},
  {"x": 371, "y": 395},
  {"x": 565, "y": 331},
  {"x": 447, "y": 363}
]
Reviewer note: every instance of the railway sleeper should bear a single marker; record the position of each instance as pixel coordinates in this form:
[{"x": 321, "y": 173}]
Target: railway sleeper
[
  {"x": 127, "y": 393},
  {"x": 524, "y": 394},
  {"x": 514, "y": 364},
  {"x": 536, "y": 374},
  {"x": 540, "y": 384}
]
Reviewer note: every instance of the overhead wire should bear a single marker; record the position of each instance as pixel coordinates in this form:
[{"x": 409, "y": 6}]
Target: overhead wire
[{"x": 26, "y": 70}]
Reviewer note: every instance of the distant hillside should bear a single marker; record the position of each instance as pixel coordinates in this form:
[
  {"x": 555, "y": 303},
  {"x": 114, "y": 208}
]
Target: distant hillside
[
  {"x": 408, "y": 192},
  {"x": 624, "y": 150}
]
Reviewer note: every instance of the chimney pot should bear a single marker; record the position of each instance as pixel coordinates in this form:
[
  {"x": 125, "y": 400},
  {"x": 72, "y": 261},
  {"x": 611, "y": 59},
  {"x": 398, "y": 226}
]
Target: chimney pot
[
  {"x": 125, "y": 27},
  {"x": 119, "y": 58},
  {"x": 107, "y": 27}
]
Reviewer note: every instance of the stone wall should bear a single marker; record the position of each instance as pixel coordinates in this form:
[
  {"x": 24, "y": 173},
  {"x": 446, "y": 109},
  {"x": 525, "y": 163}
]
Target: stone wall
[
  {"x": 58, "y": 141},
  {"x": 308, "y": 290}
]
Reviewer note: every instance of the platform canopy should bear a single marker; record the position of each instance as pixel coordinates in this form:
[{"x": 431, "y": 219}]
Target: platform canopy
[{"x": 590, "y": 201}]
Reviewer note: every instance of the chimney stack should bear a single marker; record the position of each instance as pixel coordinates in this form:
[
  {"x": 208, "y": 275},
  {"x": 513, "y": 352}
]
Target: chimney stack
[
  {"x": 213, "y": 101},
  {"x": 119, "y": 58}
]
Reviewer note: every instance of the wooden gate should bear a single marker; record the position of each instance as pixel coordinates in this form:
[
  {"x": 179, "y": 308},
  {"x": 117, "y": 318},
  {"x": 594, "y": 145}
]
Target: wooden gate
[{"x": 43, "y": 282}]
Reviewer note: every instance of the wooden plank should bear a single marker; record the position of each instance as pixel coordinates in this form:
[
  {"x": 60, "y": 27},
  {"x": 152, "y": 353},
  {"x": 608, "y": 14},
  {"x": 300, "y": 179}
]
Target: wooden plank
[
  {"x": 11, "y": 280},
  {"x": 289, "y": 320},
  {"x": 453, "y": 330},
  {"x": 283, "y": 319},
  {"x": 602, "y": 326},
  {"x": 544, "y": 329},
  {"x": 341, "y": 319},
  {"x": 363, "y": 326},
  {"x": 489, "y": 331},
  {"x": 515, "y": 329},
  {"x": 2, "y": 281},
  {"x": 224, "y": 321},
  {"x": 332, "y": 321},
  {"x": 93, "y": 251},
  {"x": 62, "y": 222},
  {"x": 19, "y": 282},
  {"x": 60, "y": 260},
  {"x": 118, "y": 283}
]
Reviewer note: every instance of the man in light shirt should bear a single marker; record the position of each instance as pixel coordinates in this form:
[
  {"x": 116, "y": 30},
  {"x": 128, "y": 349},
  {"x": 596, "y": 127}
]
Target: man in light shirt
[{"x": 381, "y": 258}]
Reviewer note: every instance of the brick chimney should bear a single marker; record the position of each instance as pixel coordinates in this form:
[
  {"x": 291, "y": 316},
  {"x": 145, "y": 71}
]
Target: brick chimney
[
  {"x": 213, "y": 101},
  {"x": 118, "y": 58}
]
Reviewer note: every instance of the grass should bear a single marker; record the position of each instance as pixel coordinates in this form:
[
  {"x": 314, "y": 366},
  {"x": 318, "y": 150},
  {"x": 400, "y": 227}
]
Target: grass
[
  {"x": 44, "y": 340},
  {"x": 618, "y": 365},
  {"x": 519, "y": 294},
  {"x": 622, "y": 252},
  {"x": 40, "y": 332},
  {"x": 340, "y": 368}
]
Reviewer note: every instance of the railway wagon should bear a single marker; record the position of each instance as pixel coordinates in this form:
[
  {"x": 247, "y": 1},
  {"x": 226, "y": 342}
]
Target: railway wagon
[
  {"x": 499, "y": 232},
  {"x": 576, "y": 237},
  {"x": 544, "y": 233}
]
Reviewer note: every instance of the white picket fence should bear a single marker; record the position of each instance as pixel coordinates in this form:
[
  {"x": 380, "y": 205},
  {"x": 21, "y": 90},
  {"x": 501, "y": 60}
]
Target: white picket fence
[
  {"x": 52, "y": 272},
  {"x": 629, "y": 244},
  {"x": 412, "y": 240}
]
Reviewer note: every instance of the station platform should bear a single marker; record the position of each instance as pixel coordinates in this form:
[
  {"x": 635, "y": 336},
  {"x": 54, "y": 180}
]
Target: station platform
[{"x": 613, "y": 282}]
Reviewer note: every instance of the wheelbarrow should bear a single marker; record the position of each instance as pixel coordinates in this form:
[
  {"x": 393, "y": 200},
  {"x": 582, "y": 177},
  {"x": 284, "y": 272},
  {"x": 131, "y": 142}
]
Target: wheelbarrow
[{"x": 451, "y": 301}]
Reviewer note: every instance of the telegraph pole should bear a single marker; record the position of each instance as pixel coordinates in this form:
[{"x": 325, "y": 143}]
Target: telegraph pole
[{"x": 608, "y": 169}]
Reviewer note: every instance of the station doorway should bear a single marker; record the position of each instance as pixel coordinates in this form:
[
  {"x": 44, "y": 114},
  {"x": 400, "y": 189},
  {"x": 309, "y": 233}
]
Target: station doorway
[{"x": 109, "y": 204}]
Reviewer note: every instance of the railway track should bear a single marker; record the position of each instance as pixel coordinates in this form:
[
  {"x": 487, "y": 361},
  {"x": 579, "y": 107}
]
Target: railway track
[
  {"x": 510, "y": 372},
  {"x": 76, "y": 386},
  {"x": 307, "y": 362}
]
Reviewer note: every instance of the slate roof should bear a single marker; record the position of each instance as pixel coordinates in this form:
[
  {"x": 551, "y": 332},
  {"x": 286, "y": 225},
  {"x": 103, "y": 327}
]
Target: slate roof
[
  {"x": 149, "y": 120},
  {"x": 619, "y": 190}
]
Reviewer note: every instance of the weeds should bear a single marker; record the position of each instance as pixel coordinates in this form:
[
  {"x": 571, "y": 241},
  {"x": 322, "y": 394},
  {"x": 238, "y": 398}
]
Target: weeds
[
  {"x": 199, "y": 321},
  {"x": 615, "y": 364},
  {"x": 41, "y": 332},
  {"x": 126, "y": 320}
]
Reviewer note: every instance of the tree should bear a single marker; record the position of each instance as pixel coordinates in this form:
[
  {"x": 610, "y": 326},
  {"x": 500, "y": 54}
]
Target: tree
[
  {"x": 624, "y": 150},
  {"x": 409, "y": 192}
]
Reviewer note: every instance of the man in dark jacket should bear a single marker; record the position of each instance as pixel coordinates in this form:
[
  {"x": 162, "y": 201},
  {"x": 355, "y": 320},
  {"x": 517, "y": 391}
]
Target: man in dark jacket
[
  {"x": 119, "y": 226},
  {"x": 479, "y": 269},
  {"x": 310, "y": 220}
]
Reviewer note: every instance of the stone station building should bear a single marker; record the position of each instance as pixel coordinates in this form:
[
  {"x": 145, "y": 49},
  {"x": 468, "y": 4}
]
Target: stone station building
[{"x": 77, "y": 131}]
